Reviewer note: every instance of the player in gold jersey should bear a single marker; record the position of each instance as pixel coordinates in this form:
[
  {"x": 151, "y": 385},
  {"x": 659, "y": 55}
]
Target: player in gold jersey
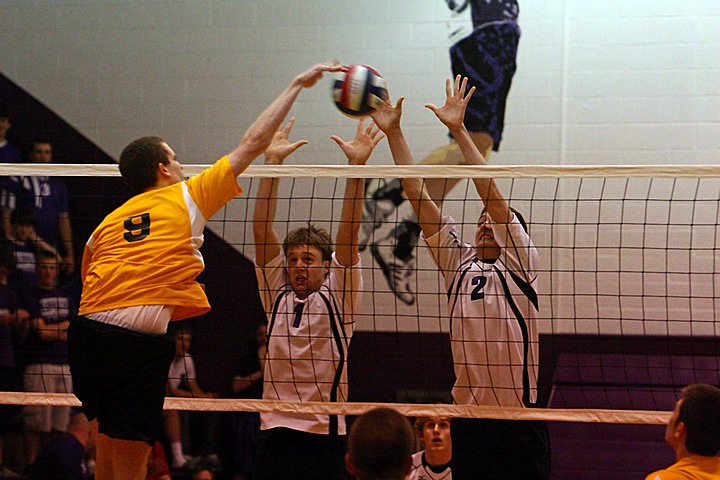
[{"x": 139, "y": 269}]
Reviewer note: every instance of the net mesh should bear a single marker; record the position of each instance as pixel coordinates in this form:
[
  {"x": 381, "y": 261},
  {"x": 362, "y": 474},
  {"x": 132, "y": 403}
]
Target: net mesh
[{"x": 627, "y": 285}]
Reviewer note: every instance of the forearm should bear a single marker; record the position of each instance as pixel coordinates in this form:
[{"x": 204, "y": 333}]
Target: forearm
[
  {"x": 346, "y": 251},
  {"x": 257, "y": 138},
  {"x": 487, "y": 189},
  {"x": 266, "y": 238}
]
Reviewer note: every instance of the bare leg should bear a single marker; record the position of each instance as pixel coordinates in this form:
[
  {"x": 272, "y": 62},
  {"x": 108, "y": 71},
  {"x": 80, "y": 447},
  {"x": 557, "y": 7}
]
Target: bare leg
[{"x": 119, "y": 459}]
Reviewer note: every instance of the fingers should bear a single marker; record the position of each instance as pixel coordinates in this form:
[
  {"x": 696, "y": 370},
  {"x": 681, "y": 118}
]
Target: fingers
[
  {"x": 298, "y": 144},
  {"x": 337, "y": 140},
  {"x": 432, "y": 107},
  {"x": 360, "y": 127},
  {"x": 448, "y": 88},
  {"x": 288, "y": 126},
  {"x": 469, "y": 94},
  {"x": 377, "y": 139}
]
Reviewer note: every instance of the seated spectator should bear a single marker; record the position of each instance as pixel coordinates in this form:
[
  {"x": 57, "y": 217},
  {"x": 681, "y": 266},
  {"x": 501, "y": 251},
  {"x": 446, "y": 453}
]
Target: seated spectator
[
  {"x": 65, "y": 456},
  {"x": 694, "y": 433},
  {"x": 380, "y": 446},
  {"x": 46, "y": 354},
  {"x": 182, "y": 382},
  {"x": 433, "y": 462}
]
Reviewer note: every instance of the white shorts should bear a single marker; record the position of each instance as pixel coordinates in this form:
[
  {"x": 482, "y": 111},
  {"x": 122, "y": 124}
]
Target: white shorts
[{"x": 47, "y": 378}]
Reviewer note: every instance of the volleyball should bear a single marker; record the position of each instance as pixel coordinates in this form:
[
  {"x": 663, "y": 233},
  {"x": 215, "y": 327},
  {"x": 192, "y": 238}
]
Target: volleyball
[{"x": 359, "y": 91}]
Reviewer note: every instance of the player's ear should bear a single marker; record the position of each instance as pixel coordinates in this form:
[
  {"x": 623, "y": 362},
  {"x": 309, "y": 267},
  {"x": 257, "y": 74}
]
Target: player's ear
[{"x": 162, "y": 170}]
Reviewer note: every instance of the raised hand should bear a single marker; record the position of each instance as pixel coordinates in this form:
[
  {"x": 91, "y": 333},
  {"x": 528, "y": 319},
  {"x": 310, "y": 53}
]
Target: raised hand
[
  {"x": 358, "y": 150},
  {"x": 387, "y": 117},
  {"x": 453, "y": 112},
  {"x": 310, "y": 77},
  {"x": 280, "y": 147}
]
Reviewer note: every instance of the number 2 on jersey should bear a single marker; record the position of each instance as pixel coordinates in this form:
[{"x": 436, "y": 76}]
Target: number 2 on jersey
[{"x": 477, "y": 292}]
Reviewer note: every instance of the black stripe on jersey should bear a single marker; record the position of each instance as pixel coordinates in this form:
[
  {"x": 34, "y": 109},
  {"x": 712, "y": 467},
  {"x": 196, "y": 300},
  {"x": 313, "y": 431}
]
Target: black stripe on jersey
[
  {"x": 334, "y": 316},
  {"x": 526, "y": 288},
  {"x": 275, "y": 308},
  {"x": 526, "y": 338}
]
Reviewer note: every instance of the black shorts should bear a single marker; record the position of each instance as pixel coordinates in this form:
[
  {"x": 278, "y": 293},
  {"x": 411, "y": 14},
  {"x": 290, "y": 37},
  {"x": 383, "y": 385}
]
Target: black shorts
[
  {"x": 120, "y": 377},
  {"x": 500, "y": 449},
  {"x": 487, "y": 58}
]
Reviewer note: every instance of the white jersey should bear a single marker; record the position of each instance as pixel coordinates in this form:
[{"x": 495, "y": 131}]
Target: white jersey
[
  {"x": 181, "y": 370},
  {"x": 308, "y": 342},
  {"x": 422, "y": 471},
  {"x": 493, "y": 314}
]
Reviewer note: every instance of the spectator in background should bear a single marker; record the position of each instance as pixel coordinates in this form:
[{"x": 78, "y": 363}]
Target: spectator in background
[
  {"x": 202, "y": 472},
  {"x": 694, "y": 433},
  {"x": 48, "y": 197},
  {"x": 24, "y": 244},
  {"x": 433, "y": 462},
  {"x": 248, "y": 384},
  {"x": 182, "y": 382},
  {"x": 46, "y": 354},
  {"x": 9, "y": 153},
  {"x": 65, "y": 456},
  {"x": 12, "y": 320},
  {"x": 380, "y": 446}
]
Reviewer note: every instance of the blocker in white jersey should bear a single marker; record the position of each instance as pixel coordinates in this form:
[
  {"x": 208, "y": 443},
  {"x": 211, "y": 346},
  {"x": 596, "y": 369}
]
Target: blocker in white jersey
[
  {"x": 310, "y": 295},
  {"x": 493, "y": 308},
  {"x": 308, "y": 343},
  {"x": 422, "y": 470}
]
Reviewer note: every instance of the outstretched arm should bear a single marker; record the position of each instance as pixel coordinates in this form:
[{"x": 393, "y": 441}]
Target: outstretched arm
[
  {"x": 357, "y": 152},
  {"x": 257, "y": 138},
  {"x": 387, "y": 117},
  {"x": 452, "y": 114},
  {"x": 267, "y": 243}
]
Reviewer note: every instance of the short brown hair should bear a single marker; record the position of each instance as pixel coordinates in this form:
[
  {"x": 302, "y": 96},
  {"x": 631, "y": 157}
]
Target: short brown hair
[
  {"x": 700, "y": 412},
  {"x": 138, "y": 163},
  {"x": 381, "y": 444},
  {"x": 311, "y": 236}
]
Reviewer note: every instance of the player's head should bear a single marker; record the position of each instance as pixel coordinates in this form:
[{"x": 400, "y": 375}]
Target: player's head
[
  {"x": 149, "y": 162},
  {"x": 695, "y": 421},
  {"x": 434, "y": 433},
  {"x": 308, "y": 251},
  {"x": 22, "y": 220},
  {"x": 380, "y": 446},
  {"x": 183, "y": 339},
  {"x": 46, "y": 269},
  {"x": 487, "y": 246},
  {"x": 202, "y": 473},
  {"x": 41, "y": 151}
]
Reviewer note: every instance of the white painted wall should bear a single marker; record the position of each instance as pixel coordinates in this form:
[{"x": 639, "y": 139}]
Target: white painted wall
[{"x": 611, "y": 82}]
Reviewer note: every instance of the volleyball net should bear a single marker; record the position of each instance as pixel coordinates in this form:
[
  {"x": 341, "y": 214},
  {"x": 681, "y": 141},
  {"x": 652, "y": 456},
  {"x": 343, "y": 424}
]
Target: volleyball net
[{"x": 627, "y": 285}]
